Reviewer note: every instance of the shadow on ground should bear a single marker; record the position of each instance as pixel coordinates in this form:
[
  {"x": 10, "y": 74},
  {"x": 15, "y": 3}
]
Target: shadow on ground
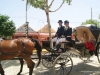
[
  {"x": 79, "y": 68},
  {"x": 86, "y": 69},
  {"x": 9, "y": 63}
]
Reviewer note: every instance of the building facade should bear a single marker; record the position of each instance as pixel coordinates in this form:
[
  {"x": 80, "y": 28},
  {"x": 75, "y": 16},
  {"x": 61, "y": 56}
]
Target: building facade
[{"x": 41, "y": 35}]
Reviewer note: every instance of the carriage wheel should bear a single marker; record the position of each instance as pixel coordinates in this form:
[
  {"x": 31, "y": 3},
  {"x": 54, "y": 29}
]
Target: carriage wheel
[
  {"x": 63, "y": 65},
  {"x": 85, "y": 56},
  {"x": 48, "y": 59}
]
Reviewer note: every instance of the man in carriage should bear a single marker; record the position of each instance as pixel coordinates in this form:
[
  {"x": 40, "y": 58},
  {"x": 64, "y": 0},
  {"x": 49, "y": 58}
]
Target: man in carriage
[
  {"x": 66, "y": 36},
  {"x": 59, "y": 32}
]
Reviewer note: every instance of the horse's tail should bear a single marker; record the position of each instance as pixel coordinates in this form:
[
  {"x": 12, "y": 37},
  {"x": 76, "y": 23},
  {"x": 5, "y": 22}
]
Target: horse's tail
[{"x": 39, "y": 50}]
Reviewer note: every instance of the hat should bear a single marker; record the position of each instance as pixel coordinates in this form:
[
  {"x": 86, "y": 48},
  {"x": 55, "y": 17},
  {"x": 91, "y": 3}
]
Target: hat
[
  {"x": 66, "y": 21},
  {"x": 60, "y": 21}
]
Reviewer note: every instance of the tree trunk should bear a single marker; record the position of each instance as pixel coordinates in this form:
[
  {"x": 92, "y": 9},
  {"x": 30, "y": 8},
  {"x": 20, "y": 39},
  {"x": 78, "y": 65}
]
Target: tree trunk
[{"x": 49, "y": 27}]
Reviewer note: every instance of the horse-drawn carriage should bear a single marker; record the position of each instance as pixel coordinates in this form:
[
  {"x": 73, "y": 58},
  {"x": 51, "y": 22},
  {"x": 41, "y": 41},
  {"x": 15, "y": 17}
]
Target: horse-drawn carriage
[{"x": 61, "y": 61}]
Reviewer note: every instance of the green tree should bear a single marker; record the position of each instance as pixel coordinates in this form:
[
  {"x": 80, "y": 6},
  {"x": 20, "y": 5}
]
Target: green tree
[
  {"x": 94, "y": 22},
  {"x": 7, "y": 27},
  {"x": 45, "y": 5}
]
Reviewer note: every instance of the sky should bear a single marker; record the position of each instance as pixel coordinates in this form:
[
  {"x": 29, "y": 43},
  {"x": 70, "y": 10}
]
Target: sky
[{"x": 76, "y": 13}]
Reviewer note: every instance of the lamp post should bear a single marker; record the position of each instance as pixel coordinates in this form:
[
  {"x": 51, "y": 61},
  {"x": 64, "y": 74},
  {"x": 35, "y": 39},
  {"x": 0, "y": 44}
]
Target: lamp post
[
  {"x": 26, "y": 27},
  {"x": 26, "y": 23}
]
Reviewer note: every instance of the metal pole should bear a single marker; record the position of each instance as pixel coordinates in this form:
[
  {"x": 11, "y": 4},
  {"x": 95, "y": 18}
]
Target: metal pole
[
  {"x": 26, "y": 22},
  {"x": 26, "y": 10}
]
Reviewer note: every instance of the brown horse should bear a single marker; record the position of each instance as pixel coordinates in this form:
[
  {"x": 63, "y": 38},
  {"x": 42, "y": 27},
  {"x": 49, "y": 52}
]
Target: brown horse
[{"x": 21, "y": 48}]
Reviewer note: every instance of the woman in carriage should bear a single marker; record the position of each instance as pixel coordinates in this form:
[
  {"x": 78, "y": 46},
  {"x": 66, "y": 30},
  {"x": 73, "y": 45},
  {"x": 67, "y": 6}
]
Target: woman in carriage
[
  {"x": 85, "y": 36},
  {"x": 88, "y": 42}
]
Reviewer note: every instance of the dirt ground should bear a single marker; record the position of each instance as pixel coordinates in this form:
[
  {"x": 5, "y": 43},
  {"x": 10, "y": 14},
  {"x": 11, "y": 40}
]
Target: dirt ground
[{"x": 92, "y": 67}]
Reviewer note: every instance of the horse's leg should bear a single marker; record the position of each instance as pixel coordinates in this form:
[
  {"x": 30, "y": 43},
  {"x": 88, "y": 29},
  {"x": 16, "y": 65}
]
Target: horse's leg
[
  {"x": 30, "y": 65},
  {"x": 1, "y": 70},
  {"x": 21, "y": 68}
]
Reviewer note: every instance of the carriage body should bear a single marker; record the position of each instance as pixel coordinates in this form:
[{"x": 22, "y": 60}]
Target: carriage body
[
  {"x": 74, "y": 47},
  {"x": 93, "y": 34}
]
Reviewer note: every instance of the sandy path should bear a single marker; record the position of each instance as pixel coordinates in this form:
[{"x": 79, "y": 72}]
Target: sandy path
[{"x": 11, "y": 67}]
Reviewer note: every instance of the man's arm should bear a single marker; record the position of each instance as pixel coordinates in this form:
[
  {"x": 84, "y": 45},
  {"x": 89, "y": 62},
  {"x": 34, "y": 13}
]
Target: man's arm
[
  {"x": 56, "y": 33},
  {"x": 61, "y": 32},
  {"x": 70, "y": 32},
  {"x": 68, "y": 35}
]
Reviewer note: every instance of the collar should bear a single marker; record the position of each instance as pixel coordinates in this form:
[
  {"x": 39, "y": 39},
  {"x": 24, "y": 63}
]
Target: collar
[
  {"x": 60, "y": 26},
  {"x": 66, "y": 27}
]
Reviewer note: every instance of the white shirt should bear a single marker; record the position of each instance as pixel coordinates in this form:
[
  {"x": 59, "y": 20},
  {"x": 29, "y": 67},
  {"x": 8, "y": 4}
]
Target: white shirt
[
  {"x": 59, "y": 26},
  {"x": 66, "y": 28}
]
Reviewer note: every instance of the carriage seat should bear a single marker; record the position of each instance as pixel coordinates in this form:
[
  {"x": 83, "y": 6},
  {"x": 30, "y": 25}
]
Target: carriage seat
[
  {"x": 78, "y": 43},
  {"x": 68, "y": 44}
]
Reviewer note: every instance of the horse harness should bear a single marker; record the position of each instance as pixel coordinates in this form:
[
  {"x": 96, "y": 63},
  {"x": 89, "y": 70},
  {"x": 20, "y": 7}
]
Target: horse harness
[{"x": 24, "y": 50}]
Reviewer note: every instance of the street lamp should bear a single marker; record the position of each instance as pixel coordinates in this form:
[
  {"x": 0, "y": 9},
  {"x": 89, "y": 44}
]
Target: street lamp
[{"x": 26, "y": 24}]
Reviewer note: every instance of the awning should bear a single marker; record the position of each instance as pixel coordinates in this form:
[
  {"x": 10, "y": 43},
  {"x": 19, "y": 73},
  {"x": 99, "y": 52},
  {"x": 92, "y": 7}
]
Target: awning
[
  {"x": 23, "y": 34},
  {"x": 32, "y": 34}
]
